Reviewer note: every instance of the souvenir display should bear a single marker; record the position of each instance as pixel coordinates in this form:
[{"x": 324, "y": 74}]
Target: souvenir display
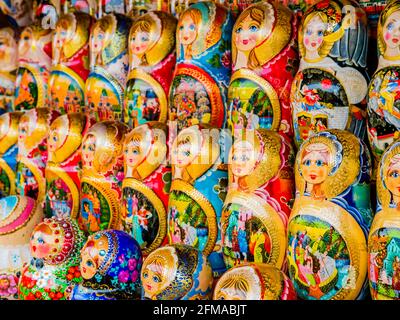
[
  {"x": 102, "y": 175},
  {"x": 151, "y": 62},
  {"x": 105, "y": 86},
  {"x": 329, "y": 90},
  {"x": 384, "y": 236},
  {"x": 330, "y": 219},
  {"x": 111, "y": 262},
  {"x": 264, "y": 63},
  {"x": 8, "y": 63},
  {"x": 383, "y": 98},
  {"x": 34, "y": 56},
  {"x": 254, "y": 281},
  {"x": 259, "y": 199},
  {"x": 63, "y": 170},
  {"x": 70, "y": 62},
  {"x": 198, "y": 190},
  {"x": 176, "y": 272},
  {"x": 8, "y": 151},
  {"x": 19, "y": 10},
  {"x": 145, "y": 188},
  {"x": 18, "y": 217},
  {"x": 55, "y": 247},
  {"x": 33, "y": 131},
  {"x": 203, "y": 47}
]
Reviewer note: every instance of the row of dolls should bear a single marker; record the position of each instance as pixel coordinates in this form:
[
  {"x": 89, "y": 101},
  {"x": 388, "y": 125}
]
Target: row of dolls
[
  {"x": 234, "y": 202},
  {"x": 266, "y": 70}
]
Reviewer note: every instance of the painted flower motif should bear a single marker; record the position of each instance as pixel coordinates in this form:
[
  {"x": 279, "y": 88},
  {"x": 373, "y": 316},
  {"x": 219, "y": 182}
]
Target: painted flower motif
[
  {"x": 123, "y": 276},
  {"x": 326, "y": 84},
  {"x": 8, "y": 285},
  {"x": 323, "y": 4},
  {"x": 226, "y": 59},
  {"x": 121, "y": 258},
  {"x": 134, "y": 276},
  {"x": 132, "y": 264}
]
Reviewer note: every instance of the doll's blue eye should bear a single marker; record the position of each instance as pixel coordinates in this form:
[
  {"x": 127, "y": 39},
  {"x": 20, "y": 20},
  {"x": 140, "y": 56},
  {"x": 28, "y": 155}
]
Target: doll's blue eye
[
  {"x": 320, "y": 33},
  {"x": 145, "y": 275},
  {"x": 156, "y": 279},
  {"x": 238, "y": 30},
  {"x": 40, "y": 240},
  {"x": 192, "y": 27},
  {"x": 253, "y": 28},
  {"x": 89, "y": 263},
  {"x": 390, "y": 26},
  {"x": 394, "y": 174},
  {"x": 319, "y": 163},
  {"x": 307, "y": 163},
  {"x": 145, "y": 39},
  {"x": 309, "y": 32}
]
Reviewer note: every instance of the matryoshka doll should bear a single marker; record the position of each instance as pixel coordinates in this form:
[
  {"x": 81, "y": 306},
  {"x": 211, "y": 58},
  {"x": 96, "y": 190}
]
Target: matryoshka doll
[
  {"x": 105, "y": 86},
  {"x": 329, "y": 90},
  {"x": 203, "y": 48},
  {"x": 151, "y": 63},
  {"x": 259, "y": 199},
  {"x": 8, "y": 151},
  {"x": 384, "y": 236},
  {"x": 55, "y": 247},
  {"x": 330, "y": 219},
  {"x": 111, "y": 262},
  {"x": 102, "y": 175},
  {"x": 70, "y": 62},
  {"x": 254, "y": 281},
  {"x": 264, "y": 62},
  {"x": 198, "y": 190},
  {"x": 383, "y": 92},
  {"x": 9, "y": 34},
  {"x": 33, "y": 131},
  {"x": 145, "y": 188},
  {"x": 18, "y": 217},
  {"x": 176, "y": 272},
  {"x": 63, "y": 170}
]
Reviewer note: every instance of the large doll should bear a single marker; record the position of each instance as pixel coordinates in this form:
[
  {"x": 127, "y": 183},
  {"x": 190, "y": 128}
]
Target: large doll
[
  {"x": 105, "y": 86},
  {"x": 151, "y": 64},
  {"x": 102, "y": 175},
  {"x": 8, "y": 151},
  {"x": 259, "y": 199},
  {"x": 111, "y": 262},
  {"x": 18, "y": 217},
  {"x": 70, "y": 62},
  {"x": 330, "y": 219},
  {"x": 384, "y": 236},
  {"x": 330, "y": 87},
  {"x": 145, "y": 188},
  {"x": 9, "y": 34},
  {"x": 64, "y": 165},
  {"x": 198, "y": 190},
  {"x": 176, "y": 272},
  {"x": 383, "y": 92},
  {"x": 199, "y": 88},
  {"x": 55, "y": 247},
  {"x": 264, "y": 62},
  {"x": 33, "y": 131}
]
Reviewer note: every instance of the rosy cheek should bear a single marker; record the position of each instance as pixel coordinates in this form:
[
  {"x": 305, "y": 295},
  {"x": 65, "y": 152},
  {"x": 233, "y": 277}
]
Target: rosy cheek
[
  {"x": 253, "y": 37},
  {"x": 307, "y": 41},
  {"x": 319, "y": 40},
  {"x": 387, "y": 35}
]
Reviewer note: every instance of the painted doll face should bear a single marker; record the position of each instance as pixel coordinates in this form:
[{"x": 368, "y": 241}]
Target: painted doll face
[
  {"x": 92, "y": 255},
  {"x": 23, "y": 130},
  {"x": 60, "y": 35},
  {"x": 140, "y": 42},
  {"x": 88, "y": 264},
  {"x": 393, "y": 177},
  {"x": 8, "y": 48},
  {"x": 247, "y": 35},
  {"x": 25, "y": 42},
  {"x": 243, "y": 159},
  {"x": 98, "y": 40},
  {"x": 315, "y": 165},
  {"x": 184, "y": 153},
  {"x": 88, "y": 150},
  {"x": 134, "y": 153},
  {"x": 43, "y": 242},
  {"x": 57, "y": 135},
  {"x": 152, "y": 279},
  {"x": 187, "y": 30},
  {"x": 314, "y": 34},
  {"x": 391, "y": 30}
]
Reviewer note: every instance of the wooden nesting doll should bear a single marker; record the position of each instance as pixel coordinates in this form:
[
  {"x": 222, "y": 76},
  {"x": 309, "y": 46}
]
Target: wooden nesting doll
[
  {"x": 198, "y": 190},
  {"x": 151, "y": 63},
  {"x": 146, "y": 185},
  {"x": 33, "y": 131},
  {"x": 18, "y": 217},
  {"x": 176, "y": 272},
  {"x": 19, "y": 10},
  {"x": 254, "y": 281},
  {"x": 102, "y": 175},
  {"x": 105, "y": 86},
  {"x": 9, "y": 34},
  {"x": 383, "y": 92},
  {"x": 384, "y": 236},
  {"x": 259, "y": 199},
  {"x": 70, "y": 62},
  {"x": 329, "y": 90},
  {"x": 34, "y": 56},
  {"x": 55, "y": 247},
  {"x": 63, "y": 170},
  {"x": 264, "y": 62},
  {"x": 111, "y": 262},
  {"x": 203, "y": 48},
  {"x": 330, "y": 219},
  {"x": 8, "y": 151}
]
